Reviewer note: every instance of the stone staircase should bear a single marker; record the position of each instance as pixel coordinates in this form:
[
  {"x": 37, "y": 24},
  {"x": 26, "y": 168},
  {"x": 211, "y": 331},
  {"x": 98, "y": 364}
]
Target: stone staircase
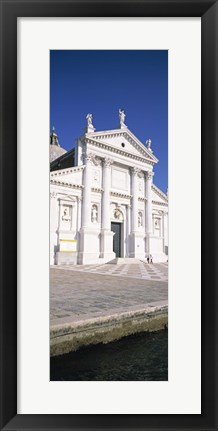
[{"x": 125, "y": 260}]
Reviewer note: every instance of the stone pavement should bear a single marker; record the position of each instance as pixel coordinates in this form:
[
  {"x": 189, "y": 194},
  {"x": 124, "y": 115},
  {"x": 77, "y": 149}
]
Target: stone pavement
[
  {"x": 84, "y": 292},
  {"x": 157, "y": 271}
]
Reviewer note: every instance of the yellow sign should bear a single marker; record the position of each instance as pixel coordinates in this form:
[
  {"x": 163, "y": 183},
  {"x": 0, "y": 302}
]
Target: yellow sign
[{"x": 68, "y": 245}]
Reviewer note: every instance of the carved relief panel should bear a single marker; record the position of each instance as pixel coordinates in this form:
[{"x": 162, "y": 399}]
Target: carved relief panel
[{"x": 117, "y": 212}]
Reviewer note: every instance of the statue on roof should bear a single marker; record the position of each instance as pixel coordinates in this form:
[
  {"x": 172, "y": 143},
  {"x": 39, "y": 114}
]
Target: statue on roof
[
  {"x": 122, "y": 117},
  {"x": 89, "y": 119},
  {"x": 148, "y": 143},
  {"x": 89, "y": 128}
]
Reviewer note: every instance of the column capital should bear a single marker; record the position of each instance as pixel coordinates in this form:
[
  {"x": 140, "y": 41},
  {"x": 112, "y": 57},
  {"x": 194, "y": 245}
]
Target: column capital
[
  {"x": 149, "y": 175},
  {"x": 135, "y": 170},
  {"x": 91, "y": 157},
  {"x": 107, "y": 162},
  {"x": 87, "y": 158}
]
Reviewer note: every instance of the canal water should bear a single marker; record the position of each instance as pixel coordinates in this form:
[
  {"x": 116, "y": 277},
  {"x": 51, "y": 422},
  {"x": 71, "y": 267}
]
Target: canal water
[{"x": 139, "y": 357}]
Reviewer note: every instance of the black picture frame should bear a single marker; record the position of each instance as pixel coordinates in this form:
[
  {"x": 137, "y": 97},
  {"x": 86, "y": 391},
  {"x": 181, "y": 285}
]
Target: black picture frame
[{"x": 10, "y": 11}]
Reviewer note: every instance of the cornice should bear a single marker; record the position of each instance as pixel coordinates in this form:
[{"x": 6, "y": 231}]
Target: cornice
[
  {"x": 66, "y": 171},
  {"x": 120, "y": 195},
  {"x": 160, "y": 203},
  {"x": 159, "y": 192},
  {"x": 65, "y": 184},
  {"x": 116, "y": 150},
  {"x": 97, "y": 190}
]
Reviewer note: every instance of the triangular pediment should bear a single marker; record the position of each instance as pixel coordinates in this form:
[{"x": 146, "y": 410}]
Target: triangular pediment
[{"x": 123, "y": 139}]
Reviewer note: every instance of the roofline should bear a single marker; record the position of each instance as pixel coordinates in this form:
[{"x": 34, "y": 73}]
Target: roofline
[
  {"x": 63, "y": 156},
  {"x": 160, "y": 192}
]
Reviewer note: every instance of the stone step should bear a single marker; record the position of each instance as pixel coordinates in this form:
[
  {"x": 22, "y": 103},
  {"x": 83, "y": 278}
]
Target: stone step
[{"x": 124, "y": 260}]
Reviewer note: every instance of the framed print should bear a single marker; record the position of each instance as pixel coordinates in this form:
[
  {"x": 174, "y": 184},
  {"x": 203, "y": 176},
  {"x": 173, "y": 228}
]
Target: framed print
[{"x": 95, "y": 42}]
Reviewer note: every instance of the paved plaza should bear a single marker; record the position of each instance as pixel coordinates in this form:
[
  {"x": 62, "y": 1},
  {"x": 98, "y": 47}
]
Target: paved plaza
[{"x": 84, "y": 292}]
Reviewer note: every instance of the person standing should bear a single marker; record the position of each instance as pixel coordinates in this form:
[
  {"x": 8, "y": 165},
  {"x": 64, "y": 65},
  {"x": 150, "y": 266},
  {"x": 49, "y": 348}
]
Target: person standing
[{"x": 151, "y": 258}]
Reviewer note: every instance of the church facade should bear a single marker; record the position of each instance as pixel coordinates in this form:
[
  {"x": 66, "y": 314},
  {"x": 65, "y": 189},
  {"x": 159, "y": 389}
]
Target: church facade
[{"x": 103, "y": 202}]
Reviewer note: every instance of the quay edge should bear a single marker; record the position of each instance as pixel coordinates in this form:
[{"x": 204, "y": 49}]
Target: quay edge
[{"x": 70, "y": 336}]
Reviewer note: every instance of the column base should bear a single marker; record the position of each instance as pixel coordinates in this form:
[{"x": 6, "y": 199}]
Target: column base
[
  {"x": 137, "y": 245},
  {"x": 157, "y": 249},
  {"x": 148, "y": 245},
  {"x": 66, "y": 258},
  {"x": 107, "y": 245},
  {"x": 89, "y": 246}
]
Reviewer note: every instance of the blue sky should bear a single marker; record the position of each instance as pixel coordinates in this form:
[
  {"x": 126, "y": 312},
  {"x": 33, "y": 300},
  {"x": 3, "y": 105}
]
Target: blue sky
[{"x": 101, "y": 82}]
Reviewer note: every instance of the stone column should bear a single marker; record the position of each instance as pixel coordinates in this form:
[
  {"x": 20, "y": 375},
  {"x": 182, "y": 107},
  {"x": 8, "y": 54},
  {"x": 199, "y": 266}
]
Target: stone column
[
  {"x": 128, "y": 229},
  {"x": 134, "y": 180},
  {"x": 86, "y": 207},
  {"x": 165, "y": 232},
  {"x": 136, "y": 237},
  {"x": 148, "y": 210},
  {"x": 53, "y": 227},
  {"x": 87, "y": 238},
  {"x": 106, "y": 235},
  {"x": 79, "y": 200},
  {"x": 106, "y": 223}
]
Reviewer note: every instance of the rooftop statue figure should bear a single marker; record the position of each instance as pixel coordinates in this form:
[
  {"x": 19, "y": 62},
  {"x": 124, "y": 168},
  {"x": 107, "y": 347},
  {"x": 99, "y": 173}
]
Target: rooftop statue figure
[
  {"x": 89, "y": 119},
  {"x": 122, "y": 117},
  {"x": 148, "y": 143}
]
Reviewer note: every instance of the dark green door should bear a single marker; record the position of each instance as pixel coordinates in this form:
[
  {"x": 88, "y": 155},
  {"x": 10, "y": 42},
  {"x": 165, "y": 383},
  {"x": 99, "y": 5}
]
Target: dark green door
[{"x": 116, "y": 228}]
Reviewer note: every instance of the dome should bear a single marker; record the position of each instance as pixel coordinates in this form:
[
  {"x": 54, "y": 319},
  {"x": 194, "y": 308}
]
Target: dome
[
  {"x": 55, "y": 149},
  {"x": 56, "y": 152}
]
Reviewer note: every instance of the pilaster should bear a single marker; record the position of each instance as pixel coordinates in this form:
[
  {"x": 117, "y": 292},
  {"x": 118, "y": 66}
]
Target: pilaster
[
  {"x": 53, "y": 226},
  {"x": 136, "y": 249},
  {"x": 86, "y": 208},
  {"x": 148, "y": 209},
  {"x": 88, "y": 238},
  {"x": 106, "y": 235}
]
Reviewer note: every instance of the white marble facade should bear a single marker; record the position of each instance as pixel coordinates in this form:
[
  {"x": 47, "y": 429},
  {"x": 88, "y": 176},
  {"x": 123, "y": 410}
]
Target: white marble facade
[{"x": 107, "y": 205}]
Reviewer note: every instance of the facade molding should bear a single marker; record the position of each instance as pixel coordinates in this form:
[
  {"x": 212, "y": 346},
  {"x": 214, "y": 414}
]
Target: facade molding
[
  {"x": 159, "y": 192},
  {"x": 65, "y": 184},
  {"x": 160, "y": 203},
  {"x": 115, "y": 150},
  {"x": 66, "y": 171},
  {"x": 120, "y": 195},
  {"x": 97, "y": 189}
]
